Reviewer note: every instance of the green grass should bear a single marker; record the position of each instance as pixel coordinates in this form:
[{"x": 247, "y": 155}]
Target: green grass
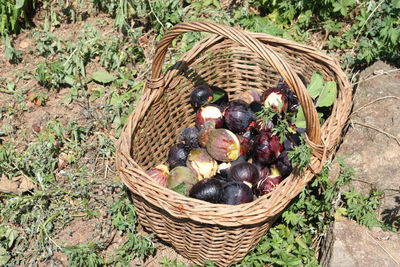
[{"x": 70, "y": 159}]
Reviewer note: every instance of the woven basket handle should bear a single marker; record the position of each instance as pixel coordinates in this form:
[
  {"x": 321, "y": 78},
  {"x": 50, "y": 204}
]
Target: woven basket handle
[{"x": 264, "y": 51}]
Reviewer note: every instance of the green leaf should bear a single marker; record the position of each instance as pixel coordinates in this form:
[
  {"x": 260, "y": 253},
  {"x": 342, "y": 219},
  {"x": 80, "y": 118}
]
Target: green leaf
[
  {"x": 206, "y": 3},
  {"x": 4, "y": 256},
  {"x": 328, "y": 95},
  {"x": 301, "y": 243},
  {"x": 103, "y": 76},
  {"x": 180, "y": 188},
  {"x": 216, "y": 96},
  {"x": 316, "y": 85},
  {"x": 216, "y": 4},
  {"x": 300, "y": 118},
  {"x": 19, "y": 4},
  {"x": 396, "y": 3}
]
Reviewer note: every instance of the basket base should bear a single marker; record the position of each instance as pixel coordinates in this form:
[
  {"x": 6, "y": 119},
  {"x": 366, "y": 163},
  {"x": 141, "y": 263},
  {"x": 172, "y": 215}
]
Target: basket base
[{"x": 199, "y": 242}]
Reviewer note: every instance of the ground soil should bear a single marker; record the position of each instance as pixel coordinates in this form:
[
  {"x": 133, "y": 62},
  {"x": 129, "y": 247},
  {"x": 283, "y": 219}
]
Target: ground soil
[{"x": 28, "y": 123}]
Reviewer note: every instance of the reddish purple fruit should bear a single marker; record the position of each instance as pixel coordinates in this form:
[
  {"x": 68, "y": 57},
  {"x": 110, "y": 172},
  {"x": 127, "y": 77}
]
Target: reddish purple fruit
[
  {"x": 263, "y": 170},
  {"x": 159, "y": 173},
  {"x": 204, "y": 133},
  {"x": 275, "y": 99},
  {"x": 180, "y": 175},
  {"x": 266, "y": 148},
  {"x": 208, "y": 190},
  {"x": 267, "y": 184},
  {"x": 238, "y": 116},
  {"x": 250, "y": 96},
  {"x": 236, "y": 193},
  {"x": 244, "y": 172},
  {"x": 209, "y": 113},
  {"x": 245, "y": 146},
  {"x": 223, "y": 145}
]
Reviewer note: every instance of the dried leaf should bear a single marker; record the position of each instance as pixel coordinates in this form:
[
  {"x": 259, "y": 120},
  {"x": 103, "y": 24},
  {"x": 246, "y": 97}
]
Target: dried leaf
[{"x": 16, "y": 185}]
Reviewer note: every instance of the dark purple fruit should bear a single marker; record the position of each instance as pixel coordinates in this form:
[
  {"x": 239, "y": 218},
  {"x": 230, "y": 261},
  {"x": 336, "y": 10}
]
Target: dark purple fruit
[
  {"x": 238, "y": 116},
  {"x": 180, "y": 175},
  {"x": 294, "y": 137},
  {"x": 275, "y": 99},
  {"x": 208, "y": 113},
  {"x": 244, "y": 172},
  {"x": 200, "y": 95},
  {"x": 236, "y": 193},
  {"x": 189, "y": 137},
  {"x": 266, "y": 148},
  {"x": 263, "y": 170},
  {"x": 159, "y": 173},
  {"x": 223, "y": 145},
  {"x": 201, "y": 163},
  {"x": 223, "y": 169},
  {"x": 255, "y": 106},
  {"x": 293, "y": 101},
  {"x": 208, "y": 190},
  {"x": 267, "y": 184},
  {"x": 284, "y": 165},
  {"x": 177, "y": 155}
]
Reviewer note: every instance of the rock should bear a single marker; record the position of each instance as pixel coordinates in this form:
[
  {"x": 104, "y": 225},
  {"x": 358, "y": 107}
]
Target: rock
[
  {"x": 350, "y": 244},
  {"x": 374, "y": 155}
]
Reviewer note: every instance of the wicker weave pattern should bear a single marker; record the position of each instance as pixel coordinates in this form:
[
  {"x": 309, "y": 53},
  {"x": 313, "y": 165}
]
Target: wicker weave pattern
[{"x": 236, "y": 61}]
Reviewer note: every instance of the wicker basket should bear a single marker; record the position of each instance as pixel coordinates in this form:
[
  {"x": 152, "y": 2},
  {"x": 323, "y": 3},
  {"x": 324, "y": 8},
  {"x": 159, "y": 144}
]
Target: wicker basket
[{"x": 235, "y": 60}]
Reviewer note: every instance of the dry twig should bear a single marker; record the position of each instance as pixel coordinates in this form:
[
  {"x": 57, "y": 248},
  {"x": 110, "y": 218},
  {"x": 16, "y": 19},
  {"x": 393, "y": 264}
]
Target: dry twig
[{"x": 377, "y": 129}]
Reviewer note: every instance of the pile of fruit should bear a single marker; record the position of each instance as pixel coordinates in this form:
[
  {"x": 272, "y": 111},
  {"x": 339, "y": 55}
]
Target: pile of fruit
[{"x": 237, "y": 150}]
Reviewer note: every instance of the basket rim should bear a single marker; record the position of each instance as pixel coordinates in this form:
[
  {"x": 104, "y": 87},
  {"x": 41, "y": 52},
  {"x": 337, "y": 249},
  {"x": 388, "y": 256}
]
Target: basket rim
[{"x": 185, "y": 207}]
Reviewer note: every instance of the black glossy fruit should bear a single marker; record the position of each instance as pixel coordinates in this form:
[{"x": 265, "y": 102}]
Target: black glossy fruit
[
  {"x": 209, "y": 113},
  {"x": 238, "y": 116},
  {"x": 244, "y": 172},
  {"x": 236, "y": 193},
  {"x": 177, "y": 155},
  {"x": 200, "y": 95},
  {"x": 208, "y": 190},
  {"x": 284, "y": 165},
  {"x": 266, "y": 148},
  {"x": 189, "y": 137}
]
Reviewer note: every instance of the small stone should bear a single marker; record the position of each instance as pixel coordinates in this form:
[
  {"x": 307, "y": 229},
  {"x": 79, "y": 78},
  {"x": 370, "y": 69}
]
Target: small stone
[
  {"x": 36, "y": 127},
  {"x": 23, "y": 44}
]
